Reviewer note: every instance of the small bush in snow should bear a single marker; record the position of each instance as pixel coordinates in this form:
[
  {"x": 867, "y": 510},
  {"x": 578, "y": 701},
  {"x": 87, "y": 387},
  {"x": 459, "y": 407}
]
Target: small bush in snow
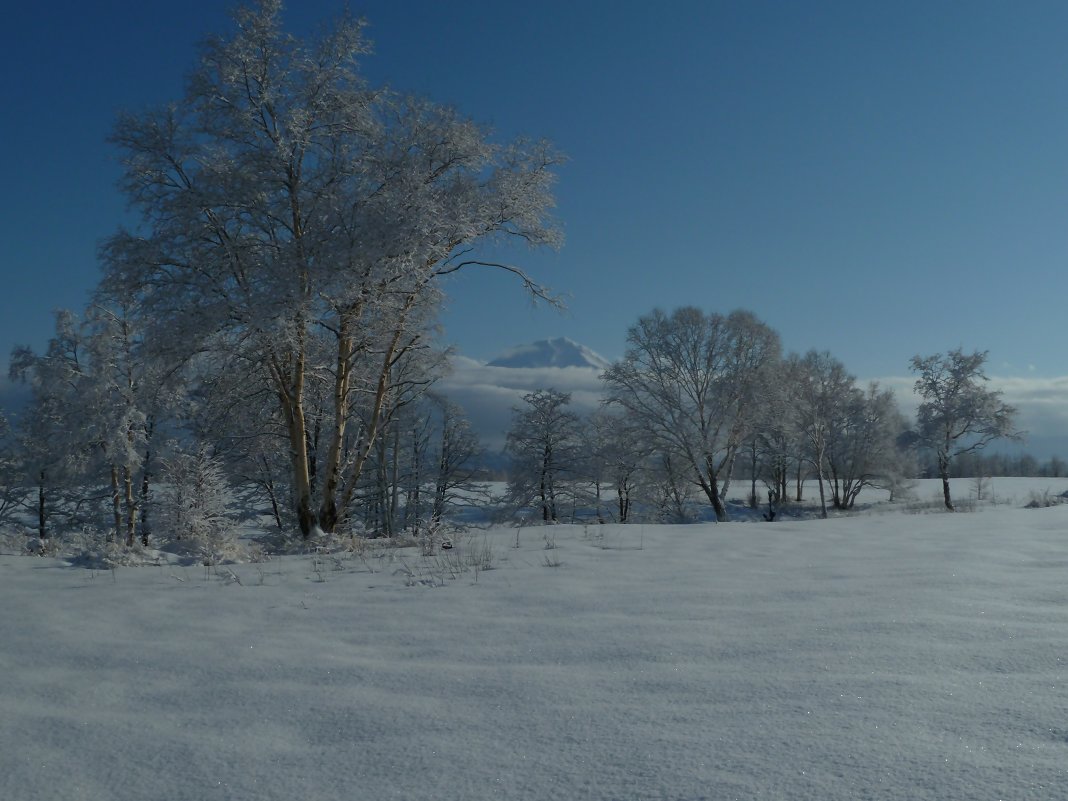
[
  {"x": 193, "y": 513},
  {"x": 1044, "y": 499}
]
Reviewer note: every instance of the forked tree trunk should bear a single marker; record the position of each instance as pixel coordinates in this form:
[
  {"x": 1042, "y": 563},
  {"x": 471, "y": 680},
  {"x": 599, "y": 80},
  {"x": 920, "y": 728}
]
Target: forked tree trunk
[
  {"x": 375, "y": 418},
  {"x": 711, "y": 488},
  {"x": 709, "y": 483},
  {"x": 328, "y": 510},
  {"x": 290, "y": 392}
]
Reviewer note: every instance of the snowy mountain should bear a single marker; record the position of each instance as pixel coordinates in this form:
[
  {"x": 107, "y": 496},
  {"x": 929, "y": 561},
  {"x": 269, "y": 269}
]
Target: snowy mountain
[{"x": 558, "y": 352}]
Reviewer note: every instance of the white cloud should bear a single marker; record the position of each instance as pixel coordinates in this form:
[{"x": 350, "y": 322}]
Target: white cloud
[
  {"x": 1042, "y": 404},
  {"x": 488, "y": 394}
]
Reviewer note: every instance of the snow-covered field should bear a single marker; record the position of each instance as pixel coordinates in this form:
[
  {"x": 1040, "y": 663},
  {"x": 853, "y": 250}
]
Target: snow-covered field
[{"x": 878, "y": 656}]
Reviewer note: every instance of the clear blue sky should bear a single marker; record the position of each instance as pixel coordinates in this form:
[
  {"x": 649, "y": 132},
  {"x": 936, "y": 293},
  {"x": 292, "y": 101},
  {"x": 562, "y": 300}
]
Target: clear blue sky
[{"x": 877, "y": 179}]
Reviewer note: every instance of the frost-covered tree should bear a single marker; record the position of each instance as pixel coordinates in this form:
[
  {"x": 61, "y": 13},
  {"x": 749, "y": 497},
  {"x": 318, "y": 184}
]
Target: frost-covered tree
[
  {"x": 285, "y": 203},
  {"x": 236, "y": 411},
  {"x": 543, "y": 443},
  {"x": 957, "y": 413},
  {"x": 865, "y": 451},
  {"x": 54, "y": 450},
  {"x": 596, "y": 440},
  {"x": 454, "y": 459},
  {"x": 401, "y": 439},
  {"x": 692, "y": 383},
  {"x": 668, "y": 488},
  {"x": 12, "y": 486},
  {"x": 96, "y": 396},
  {"x": 615, "y": 458},
  {"x": 824, "y": 389},
  {"x": 194, "y": 503},
  {"x": 777, "y": 438}
]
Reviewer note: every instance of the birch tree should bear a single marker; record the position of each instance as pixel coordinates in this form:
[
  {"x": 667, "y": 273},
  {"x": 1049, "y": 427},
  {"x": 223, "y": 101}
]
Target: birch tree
[
  {"x": 96, "y": 393},
  {"x": 824, "y": 388},
  {"x": 866, "y": 452},
  {"x": 957, "y": 413},
  {"x": 54, "y": 451},
  {"x": 283, "y": 200},
  {"x": 455, "y": 459},
  {"x": 544, "y": 445}
]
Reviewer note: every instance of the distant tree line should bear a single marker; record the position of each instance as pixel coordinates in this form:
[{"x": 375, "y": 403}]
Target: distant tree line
[
  {"x": 994, "y": 465},
  {"x": 700, "y": 401},
  {"x": 703, "y": 400}
]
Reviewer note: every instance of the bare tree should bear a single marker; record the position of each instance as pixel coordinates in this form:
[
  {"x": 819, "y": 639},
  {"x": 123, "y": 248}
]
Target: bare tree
[
  {"x": 12, "y": 487},
  {"x": 777, "y": 438},
  {"x": 824, "y": 390},
  {"x": 957, "y": 413},
  {"x": 543, "y": 443},
  {"x": 865, "y": 453},
  {"x": 691, "y": 382},
  {"x": 46, "y": 457},
  {"x": 455, "y": 459},
  {"x": 615, "y": 456},
  {"x": 670, "y": 489}
]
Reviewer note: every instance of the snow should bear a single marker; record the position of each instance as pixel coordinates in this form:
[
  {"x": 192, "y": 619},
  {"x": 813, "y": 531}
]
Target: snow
[
  {"x": 877, "y": 656},
  {"x": 556, "y": 352}
]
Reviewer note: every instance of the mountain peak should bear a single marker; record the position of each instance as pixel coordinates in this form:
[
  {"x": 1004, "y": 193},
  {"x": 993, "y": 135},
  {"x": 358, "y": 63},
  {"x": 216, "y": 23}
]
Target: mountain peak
[{"x": 556, "y": 352}]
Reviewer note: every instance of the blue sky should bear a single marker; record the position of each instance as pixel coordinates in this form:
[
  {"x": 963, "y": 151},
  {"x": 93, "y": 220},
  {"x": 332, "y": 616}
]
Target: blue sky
[{"x": 876, "y": 179}]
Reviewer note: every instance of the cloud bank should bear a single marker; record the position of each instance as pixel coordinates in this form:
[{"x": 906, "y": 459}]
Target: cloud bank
[
  {"x": 488, "y": 393},
  {"x": 1042, "y": 405}
]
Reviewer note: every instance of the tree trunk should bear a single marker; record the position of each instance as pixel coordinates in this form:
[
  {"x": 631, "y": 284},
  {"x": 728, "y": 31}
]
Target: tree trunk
[
  {"x": 291, "y": 396},
  {"x": 717, "y": 502},
  {"x": 328, "y": 510},
  {"x": 544, "y": 487},
  {"x": 301, "y": 478},
  {"x": 819, "y": 477},
  {"x": 116, "y": 504},
  {"x": 382, "y": 488},
  {"x": 375, "y": 416},
  {"x": 727, "y": 470},
  {"x": 394, "y": 489},
  {"x": 711, "y": 489},
  {"x": 131, "y": 506},
  {"x": 413, "y": 503},
  {"x": 42, "y": 518},
  {"x": 753, "y": 478},
  {"x": 287, "y": 373},
  {"x": 943, "y": 471},
  {"x": 823, "y": 499},
  {"x": 145, "y": 478}
]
